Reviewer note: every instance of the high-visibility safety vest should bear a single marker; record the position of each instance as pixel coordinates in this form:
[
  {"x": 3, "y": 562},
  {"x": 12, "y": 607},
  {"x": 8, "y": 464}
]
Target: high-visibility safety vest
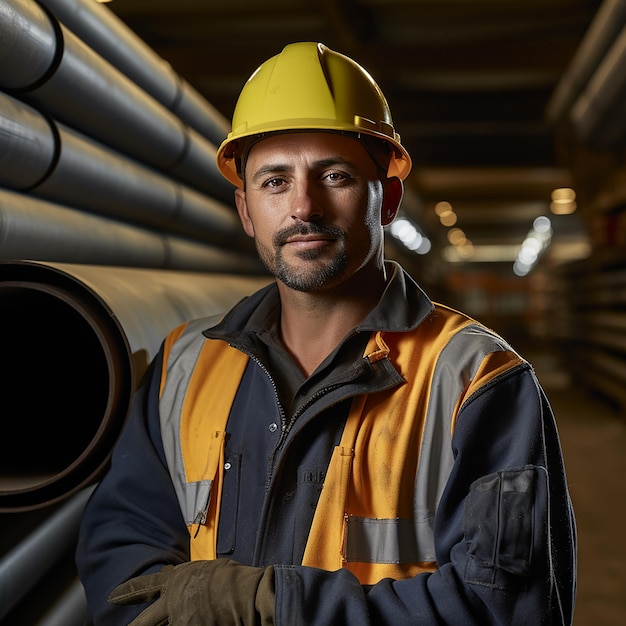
[{"x": 385, "y": 478}]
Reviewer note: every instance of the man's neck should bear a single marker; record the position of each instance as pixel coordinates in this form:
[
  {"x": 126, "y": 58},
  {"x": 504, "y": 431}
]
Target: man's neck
[{"x": 313, "y": 324}]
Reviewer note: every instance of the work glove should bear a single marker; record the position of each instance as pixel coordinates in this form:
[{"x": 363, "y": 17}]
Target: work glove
[{"x": 202, "y": 593}]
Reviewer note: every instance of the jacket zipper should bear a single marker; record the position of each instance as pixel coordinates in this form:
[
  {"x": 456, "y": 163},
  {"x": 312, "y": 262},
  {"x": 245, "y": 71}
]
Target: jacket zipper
[{"x": 286, "y": 426}]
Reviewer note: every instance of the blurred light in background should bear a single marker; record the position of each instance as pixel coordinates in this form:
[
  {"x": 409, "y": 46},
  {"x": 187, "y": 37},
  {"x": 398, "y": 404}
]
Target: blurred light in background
[
  {"x": 535, "y": 244},
  {"x": 409, "y": 234},
  {"x": 563, "y": 201},
  {"x": 446, "y": 214}
]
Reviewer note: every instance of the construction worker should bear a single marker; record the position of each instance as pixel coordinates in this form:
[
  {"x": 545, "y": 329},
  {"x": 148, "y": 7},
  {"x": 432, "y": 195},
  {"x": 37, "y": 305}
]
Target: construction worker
[{"x": 337, "y": 448}]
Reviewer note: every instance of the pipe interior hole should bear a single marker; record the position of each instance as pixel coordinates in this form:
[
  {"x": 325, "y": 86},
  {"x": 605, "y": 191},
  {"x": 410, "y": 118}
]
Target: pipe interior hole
[{"x": 54, "y": 386}]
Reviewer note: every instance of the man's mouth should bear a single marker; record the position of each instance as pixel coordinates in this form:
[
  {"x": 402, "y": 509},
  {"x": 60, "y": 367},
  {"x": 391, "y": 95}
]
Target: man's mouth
[
  {"x": 309, "y": 241},
  {"x": 308, "y": 236}
]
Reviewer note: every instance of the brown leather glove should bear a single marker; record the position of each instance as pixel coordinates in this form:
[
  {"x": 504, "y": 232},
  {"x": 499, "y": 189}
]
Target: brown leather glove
[{"x": 202, "y": 593}]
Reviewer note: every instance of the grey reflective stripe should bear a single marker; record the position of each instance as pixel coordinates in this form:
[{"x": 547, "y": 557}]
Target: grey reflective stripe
[
  {"x": 381, "y": 541},
  {"x": 193, "y": 497},
  {"x": 456, "y": 367},
  {"x": 412, "y": 541}
]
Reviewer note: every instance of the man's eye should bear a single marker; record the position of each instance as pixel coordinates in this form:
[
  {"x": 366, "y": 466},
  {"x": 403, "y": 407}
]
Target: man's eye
[
  {"x": 336, "y": 177},
  {"x": 273, "y": 182}
]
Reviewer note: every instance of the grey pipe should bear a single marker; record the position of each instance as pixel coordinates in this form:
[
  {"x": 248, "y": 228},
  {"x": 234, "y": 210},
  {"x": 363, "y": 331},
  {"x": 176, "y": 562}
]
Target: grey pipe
[
  {"x": 32, "y": 558},
  {"x": 80, "y": 338},
  {"x": 70, "y": 609},
  {"x": 103, "y": 31},
  {"x": 58, "y": 164},
  {"x": 35, "y": 229},
  {"x": 192, "y": 256},
  {"x": 106, "y": 105},
  {"x": 29, "y": 146},
  {"x": 35, "y": 46}
]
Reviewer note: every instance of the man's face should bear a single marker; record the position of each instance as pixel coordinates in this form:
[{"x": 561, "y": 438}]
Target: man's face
[{"x": 313, "y": 205}]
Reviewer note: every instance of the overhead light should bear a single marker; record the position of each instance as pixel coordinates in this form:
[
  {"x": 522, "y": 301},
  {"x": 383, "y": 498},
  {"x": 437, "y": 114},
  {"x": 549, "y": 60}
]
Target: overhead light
[
  {"x": 563, "y": 201},
  {"x": 486, "y": 253},
  {"x": 446, "y": 214},
  {"x": 456, "y": 237},
  {"x": 535, "y": 244},
  {"x": 442, "y": 207},
  {"x": 466, "y": 250},
  {"x": 448, "y": 219}
]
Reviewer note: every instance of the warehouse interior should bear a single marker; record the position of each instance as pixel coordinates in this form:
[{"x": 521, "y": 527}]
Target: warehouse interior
[{"x": 113, "y": 219}]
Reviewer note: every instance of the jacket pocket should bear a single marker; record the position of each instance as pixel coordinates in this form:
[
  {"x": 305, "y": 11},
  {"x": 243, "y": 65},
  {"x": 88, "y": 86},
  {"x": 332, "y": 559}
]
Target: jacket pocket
[
  {"x": 498, "y": 528},
  {"x": 229, "y": 506}
]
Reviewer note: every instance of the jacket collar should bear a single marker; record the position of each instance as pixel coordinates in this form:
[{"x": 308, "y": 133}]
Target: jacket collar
[{"x": 402, "y": 307}]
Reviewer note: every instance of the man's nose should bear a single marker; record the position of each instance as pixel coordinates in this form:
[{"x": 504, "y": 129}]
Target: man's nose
[{"x": 307, "y": 204}]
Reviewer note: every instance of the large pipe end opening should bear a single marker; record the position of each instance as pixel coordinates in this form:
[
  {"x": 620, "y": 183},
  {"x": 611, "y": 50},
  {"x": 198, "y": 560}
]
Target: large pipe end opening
[{"x": 65, "y": 389}]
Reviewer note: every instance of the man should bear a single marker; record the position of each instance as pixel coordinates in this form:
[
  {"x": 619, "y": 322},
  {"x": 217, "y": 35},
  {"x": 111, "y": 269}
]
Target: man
[{"x": 336, "y": 449}]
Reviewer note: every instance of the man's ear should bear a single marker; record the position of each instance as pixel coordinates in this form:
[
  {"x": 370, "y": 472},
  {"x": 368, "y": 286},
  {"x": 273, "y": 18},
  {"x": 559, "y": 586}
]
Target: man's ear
[
  {"x": 242, "y": 208},
  {"x": 393, "y": 190}
]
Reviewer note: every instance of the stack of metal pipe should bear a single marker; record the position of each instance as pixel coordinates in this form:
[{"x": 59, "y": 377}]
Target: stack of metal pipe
[
  {"x": 115, "y": 226},
  {"x": 115, "y": 173}
]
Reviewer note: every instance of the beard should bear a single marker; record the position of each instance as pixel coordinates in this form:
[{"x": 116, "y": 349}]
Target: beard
[{"x": 317, "y": 271}]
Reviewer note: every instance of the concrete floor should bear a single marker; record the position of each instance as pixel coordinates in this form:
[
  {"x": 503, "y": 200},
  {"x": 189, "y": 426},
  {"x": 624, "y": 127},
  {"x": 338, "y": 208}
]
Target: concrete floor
[{"x": 593, "y": 437}]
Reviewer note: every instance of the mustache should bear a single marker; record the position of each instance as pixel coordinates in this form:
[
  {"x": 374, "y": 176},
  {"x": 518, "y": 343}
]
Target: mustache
[{"x": 305, "y": 229}]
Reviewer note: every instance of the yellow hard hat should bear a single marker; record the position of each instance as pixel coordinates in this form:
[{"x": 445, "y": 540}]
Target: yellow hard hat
[{"x": 310, "y": 87}]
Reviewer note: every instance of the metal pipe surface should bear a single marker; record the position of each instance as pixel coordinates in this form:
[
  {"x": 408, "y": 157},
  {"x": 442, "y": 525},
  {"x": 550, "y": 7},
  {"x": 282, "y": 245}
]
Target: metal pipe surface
[
  {"x": 43, "y": 231},
  {"x": 89, "y": 94},
  {"x": 99, "y": 27},
  {"x": 35, "y": 229},
  {"x": 56, "y": 163},
  {"x": 191, "y": 256},
  {"x": 27, "y": 35},
  {"x": 29, "y": 146},
  {"x": 77, "y": 339},
  {"x": 69, "y": 610},
  {"x": 33, "y": 557}
]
